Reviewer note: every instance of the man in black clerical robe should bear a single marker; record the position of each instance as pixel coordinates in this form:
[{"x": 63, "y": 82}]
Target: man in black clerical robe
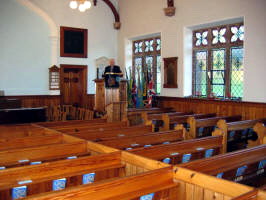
[{"x": 112, "y": 74}]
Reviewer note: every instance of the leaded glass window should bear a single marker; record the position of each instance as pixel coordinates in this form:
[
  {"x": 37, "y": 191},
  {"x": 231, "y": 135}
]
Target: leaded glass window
[
  {"x": 201, "y": 73},
  {"x": 147, "y": 56},
  {"x": 218, "y": 55}
]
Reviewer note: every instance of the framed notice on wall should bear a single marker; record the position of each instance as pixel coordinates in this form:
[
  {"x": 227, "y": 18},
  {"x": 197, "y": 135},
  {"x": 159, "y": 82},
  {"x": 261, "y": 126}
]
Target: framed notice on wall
[{"x": 73, "y": 42}]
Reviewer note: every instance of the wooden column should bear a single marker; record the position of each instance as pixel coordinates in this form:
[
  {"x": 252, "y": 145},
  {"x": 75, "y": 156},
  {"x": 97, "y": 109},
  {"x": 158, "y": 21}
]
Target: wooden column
[{"x": 100, "y": 95}]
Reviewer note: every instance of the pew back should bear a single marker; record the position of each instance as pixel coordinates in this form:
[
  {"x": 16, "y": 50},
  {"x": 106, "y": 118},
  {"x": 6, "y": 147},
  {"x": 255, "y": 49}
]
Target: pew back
[
  {"x": 140, "y": 141},
  {"x": 179, "y": 151}
]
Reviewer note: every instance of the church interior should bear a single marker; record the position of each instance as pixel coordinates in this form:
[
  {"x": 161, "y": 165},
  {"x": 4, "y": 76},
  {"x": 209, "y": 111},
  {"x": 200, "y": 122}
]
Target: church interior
[{"x": 132, "y": 100}]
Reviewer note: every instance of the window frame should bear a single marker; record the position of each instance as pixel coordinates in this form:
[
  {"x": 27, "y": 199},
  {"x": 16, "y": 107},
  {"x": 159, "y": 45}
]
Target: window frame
[
  {"x": 143, "y": 56},
  {"x": 228, "y": 45}
]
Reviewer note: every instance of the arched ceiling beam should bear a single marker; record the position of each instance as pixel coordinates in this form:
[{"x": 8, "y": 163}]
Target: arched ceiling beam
[{"x": 117, "y": 23}]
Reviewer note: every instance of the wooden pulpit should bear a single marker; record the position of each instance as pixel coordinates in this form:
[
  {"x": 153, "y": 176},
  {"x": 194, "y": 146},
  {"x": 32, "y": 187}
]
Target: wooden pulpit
[{"x": 113, "y": 101}]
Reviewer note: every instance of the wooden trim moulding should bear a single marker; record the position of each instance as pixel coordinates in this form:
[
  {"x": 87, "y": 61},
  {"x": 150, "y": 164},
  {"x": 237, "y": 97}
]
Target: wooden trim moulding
[{"x": 166, "y": 98}]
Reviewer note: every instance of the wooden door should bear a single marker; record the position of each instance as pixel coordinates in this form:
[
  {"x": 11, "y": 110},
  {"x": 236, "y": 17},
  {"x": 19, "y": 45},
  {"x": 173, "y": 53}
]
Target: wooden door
[{"x": 73, "y": 82}]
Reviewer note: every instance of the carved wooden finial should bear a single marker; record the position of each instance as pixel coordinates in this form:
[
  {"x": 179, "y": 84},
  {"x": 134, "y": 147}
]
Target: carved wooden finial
[{"x": 170, "y": 10}]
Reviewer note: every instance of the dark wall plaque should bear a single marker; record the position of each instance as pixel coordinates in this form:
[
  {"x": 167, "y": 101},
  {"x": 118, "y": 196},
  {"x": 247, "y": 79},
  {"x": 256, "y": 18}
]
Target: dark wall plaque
[
  {"x": 170, "y": 72},
  {"x": 73, "y": 42}
]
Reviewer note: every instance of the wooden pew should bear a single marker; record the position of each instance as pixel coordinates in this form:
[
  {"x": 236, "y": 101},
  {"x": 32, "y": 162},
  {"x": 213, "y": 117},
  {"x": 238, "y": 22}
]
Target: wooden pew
[
  {"x": 113, "y": 133},
  {"x": 39, "y": 178},
  {"x": 156, "y": 119},
  {"x": 22, "y": 156},
  {"x": 252, "y": 195},
  {"x": 135, "y": 115},
  {"x": 170, "y": 121},
  {"x": 109, "y": 128},
  {"x": 246, "y": 166},
  {"x": 239, "y": 132},
  {"x": 205, "y": 126},
  {"x": 178, "y": 151},
  {"x": 30, "y": 141},
  {"x": 70, "y": 123},
  {"x": 158, "y": 178},
  {"x": 91, "y": 127},
  {"x": 148, "y": 117},
  {"x": 128, "y": 165},
  {"x": 195, "y": 185},
  {"x": 140, "y": 141},
  {"x": 18, "y": 128}
]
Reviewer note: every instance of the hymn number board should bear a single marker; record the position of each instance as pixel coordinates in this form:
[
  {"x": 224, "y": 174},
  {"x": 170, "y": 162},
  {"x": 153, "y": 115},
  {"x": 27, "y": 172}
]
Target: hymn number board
[{"x": 73, "y": 42}]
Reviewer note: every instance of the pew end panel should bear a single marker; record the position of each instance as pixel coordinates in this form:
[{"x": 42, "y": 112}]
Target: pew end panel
[
  {"x": 260, "y": 129},
  {"x": 252, "y": 195},
  {"x": 166, "y": 123},
  {"x": 180, "y": 127},
  {"x": 219, "y": 132},
  {"x": 96, "y": 148},
  {"x": 195, "y": 185}
]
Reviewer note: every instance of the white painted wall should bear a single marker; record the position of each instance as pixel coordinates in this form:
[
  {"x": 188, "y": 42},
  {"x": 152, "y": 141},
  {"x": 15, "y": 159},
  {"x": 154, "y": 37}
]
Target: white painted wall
[
  {"x": 24, "y": 52},
  {"x": 30, "y": 47},
  {"x": 140, "y": 18}
]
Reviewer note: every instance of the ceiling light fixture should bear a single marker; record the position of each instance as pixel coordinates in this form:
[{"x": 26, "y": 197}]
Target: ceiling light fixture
[{"x": 82, "y": 5}]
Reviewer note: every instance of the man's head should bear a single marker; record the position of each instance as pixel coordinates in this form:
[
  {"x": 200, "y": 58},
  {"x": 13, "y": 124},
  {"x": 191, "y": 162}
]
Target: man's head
[{"x": 111, "y": 61}]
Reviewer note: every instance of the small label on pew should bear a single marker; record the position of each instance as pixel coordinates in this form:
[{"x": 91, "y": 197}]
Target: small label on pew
[
  {"x": 166, "y": 142},
  {"x": 174, "y": 154},
  {"x": 23, "y": 161},
  {"x": 199, "y": 148},
  {"x": 120, "y": 135},
  {"x": 147, "y": 145},
  {"x": 134, "y": 145},
  {"x": 71, "y": 157},
  {"x": 1, "y": 168},
  {"x": 24, "y": 182},
  {"x": 128, "y": 148},
  {"x": 36, "y": 163}
]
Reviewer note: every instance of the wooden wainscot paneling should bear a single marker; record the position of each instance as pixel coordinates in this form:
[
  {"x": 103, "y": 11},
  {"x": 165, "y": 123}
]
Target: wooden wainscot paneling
[
  {"x": 248, "y": 110},
  {"x": 31, "y": 101}
]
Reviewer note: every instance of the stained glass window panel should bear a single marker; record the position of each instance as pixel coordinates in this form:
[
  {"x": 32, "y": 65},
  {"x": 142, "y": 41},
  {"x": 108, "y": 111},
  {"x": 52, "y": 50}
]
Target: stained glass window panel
[
  {"x": 218, "y": 73},
  {"x": 138, "y": 47},
  {"x": 158, "y": 47},
  {"x": 219, "y": 36},
  {"x": 217, "y": 77},
  {"x": 218, "y": 90},
  {"x": 201, "y": 38},
  {"x": 158, "y": 76},
  {"x": 149, "y": 62},
  {"x": 218, "y": 59},
  {"x": 237, "y": 72},
  {"x": 238, "y": 33},
  {"x": 148, "y": 45},
  {"x": 201, "y": 73},
  {"x": 138, "y": 65}
]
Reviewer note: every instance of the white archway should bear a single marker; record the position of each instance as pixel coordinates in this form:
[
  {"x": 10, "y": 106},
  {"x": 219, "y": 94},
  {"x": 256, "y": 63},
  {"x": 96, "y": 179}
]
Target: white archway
[{"x": 52, "y": 25}]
